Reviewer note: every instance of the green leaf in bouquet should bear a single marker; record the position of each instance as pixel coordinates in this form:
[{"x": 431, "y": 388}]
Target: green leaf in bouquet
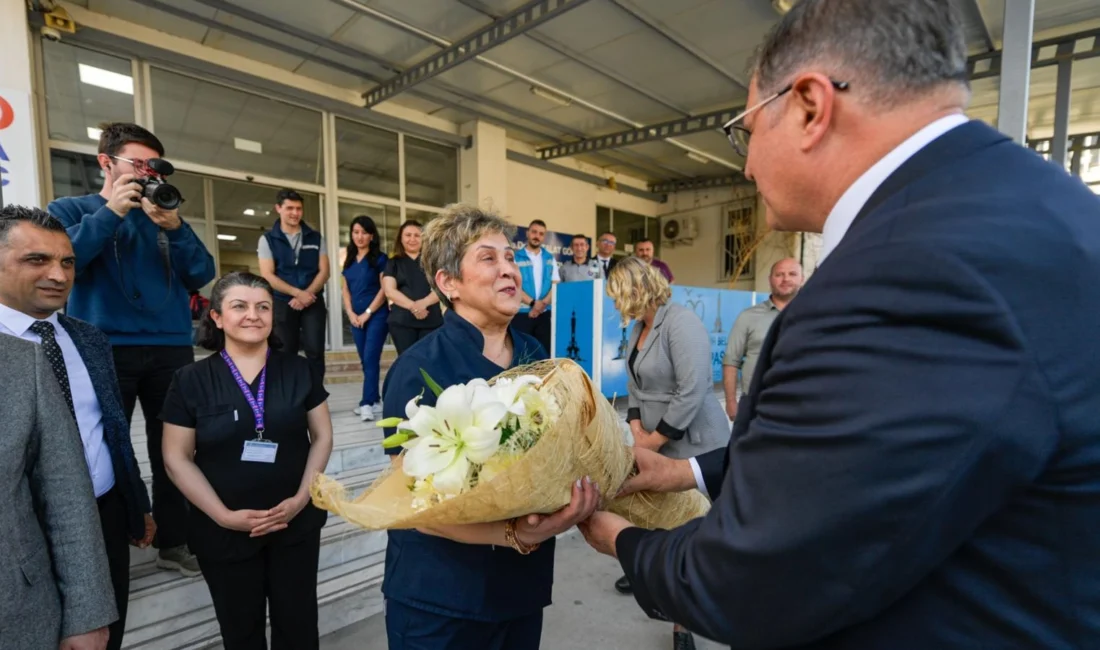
[
  {"x": 396, "y": 440},
  {"x": 434, "y": 387},
  {"x": 506, "y": 432},
  {"x": 390, "y": 422}
]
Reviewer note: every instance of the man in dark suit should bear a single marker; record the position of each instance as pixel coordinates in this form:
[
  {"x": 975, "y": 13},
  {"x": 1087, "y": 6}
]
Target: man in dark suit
[
  {"x": 918, "y": 461},
  {"x": 37, "y": 266}
]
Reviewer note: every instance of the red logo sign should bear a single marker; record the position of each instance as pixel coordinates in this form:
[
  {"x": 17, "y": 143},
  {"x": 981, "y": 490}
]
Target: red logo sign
[{"x": 7, "y": 115}]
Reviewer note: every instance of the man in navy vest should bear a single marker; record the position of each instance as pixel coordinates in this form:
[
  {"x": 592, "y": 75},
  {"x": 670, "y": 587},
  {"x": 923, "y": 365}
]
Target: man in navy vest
[{"x": 293, "y": 260}]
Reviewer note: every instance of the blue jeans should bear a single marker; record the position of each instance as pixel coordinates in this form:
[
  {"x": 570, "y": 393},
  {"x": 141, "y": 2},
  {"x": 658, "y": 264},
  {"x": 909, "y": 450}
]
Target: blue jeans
[{"x": 369, "y": 340}]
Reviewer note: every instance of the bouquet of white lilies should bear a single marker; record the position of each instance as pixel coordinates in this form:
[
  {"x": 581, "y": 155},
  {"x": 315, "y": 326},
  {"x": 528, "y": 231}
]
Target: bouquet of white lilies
[
  {"x": 504, "y": 448},
  {"x": 473, "y": 433}
]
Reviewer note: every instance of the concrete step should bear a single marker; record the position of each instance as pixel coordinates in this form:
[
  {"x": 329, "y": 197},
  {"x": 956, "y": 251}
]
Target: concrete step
[{"x": 170, "y": 611}]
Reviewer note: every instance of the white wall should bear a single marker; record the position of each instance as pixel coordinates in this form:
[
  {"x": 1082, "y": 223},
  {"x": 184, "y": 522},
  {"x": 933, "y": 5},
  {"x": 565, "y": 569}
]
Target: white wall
[
  {"x": 566, "y": 204},
  {"x": 700, "y": 263}
]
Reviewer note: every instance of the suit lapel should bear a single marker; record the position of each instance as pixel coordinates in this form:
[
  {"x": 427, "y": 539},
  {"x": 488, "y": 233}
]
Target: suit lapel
[
  {"x": 100, "y": 384},
  {"x": 658, "y": 320}
]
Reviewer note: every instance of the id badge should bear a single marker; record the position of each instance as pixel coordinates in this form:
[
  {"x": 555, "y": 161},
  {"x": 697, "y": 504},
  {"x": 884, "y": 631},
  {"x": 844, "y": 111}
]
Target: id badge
[{"x": 259, "y": 451}]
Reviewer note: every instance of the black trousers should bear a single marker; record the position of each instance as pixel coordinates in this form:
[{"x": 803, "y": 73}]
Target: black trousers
[
  {"x": 282, "y": 578},
  {"x": 536, "y": 327},
  {"x": 145, "y": 373},
  {"x": 112, "y": 517},
  {"x": 304, "y": 330},
  {"x": 409, "y": 628},
  {"x": 404, "y": 337}
]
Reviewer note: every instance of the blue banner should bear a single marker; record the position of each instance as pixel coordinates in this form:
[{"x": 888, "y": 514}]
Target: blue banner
[
  {"x": 716, "y": 308},
  {"x": 558, "y": 243},
  {"x": 573, "y": 323}
]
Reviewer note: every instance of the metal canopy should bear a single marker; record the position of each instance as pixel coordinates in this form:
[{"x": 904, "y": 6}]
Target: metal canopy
[
  {"x": 1084, "y": 45},
  {"x": 704, "y": 183},
  {"x": 673, "y": 128},
  {"x": 526, "y": 17}
]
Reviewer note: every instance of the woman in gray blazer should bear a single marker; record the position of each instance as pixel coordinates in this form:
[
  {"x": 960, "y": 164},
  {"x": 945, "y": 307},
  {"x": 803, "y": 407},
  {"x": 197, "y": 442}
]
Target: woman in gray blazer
[{"x": 673, "y": 408}]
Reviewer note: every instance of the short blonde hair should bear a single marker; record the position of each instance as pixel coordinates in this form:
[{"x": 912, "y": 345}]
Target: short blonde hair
[
  {"x": 637, "y": 286},
  {"x": 447, "y": 238}
]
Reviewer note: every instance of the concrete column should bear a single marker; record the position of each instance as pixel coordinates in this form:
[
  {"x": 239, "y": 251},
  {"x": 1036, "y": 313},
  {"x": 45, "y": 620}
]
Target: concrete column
[
  {"x": 1060, "y": 142},
  {"x": 1016, "y": 68},
  {"x": 483, "y": 168},
  {"x": 19, "y": 158}
]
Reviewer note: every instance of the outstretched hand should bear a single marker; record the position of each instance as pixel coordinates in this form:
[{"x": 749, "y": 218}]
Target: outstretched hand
[
  {"x": 601, "y": 530},
  {"x": 535, "y": 529},
  {"x": 657, "y": 473}
]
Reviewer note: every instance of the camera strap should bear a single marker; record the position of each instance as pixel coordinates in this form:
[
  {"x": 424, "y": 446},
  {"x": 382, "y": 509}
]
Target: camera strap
[{"x": 165, "y": 256}]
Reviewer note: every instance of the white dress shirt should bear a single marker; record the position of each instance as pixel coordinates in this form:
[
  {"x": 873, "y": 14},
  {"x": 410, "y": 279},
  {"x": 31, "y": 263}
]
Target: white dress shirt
[
  {"x": 856, "y": 196},
  {"x": 537, "y": 269},
  {"x": 89, "y": 416}
]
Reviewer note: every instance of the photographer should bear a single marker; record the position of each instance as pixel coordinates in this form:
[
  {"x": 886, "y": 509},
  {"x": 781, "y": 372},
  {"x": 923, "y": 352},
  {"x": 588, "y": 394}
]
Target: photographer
[{"x": 136, "y": 262}]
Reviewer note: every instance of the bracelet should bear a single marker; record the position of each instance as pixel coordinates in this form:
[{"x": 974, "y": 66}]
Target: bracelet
[{"x": 513, "y": 540}]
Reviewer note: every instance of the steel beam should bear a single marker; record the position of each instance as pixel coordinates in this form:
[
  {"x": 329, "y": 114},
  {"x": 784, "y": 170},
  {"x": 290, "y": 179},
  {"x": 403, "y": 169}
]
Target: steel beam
[
  {"x": 527, "y": 16},
  {"x": 700, "y": 183},
  {"x": 1085, "y": 45},
  {"x": 1019, "y": 25},
  {"x": 696, "y": 124},
  {"x": 974, "y": 10},
  {"x": 1062, "y": 94},
  {"x": 684, "y": 44}
]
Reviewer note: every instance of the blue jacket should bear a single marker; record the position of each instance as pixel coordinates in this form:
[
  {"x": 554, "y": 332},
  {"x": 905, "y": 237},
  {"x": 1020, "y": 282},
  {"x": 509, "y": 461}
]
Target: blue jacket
[
  {"x": 123, "y": 285},
  {"x": 917, "y": 463},
  {"x": 483, "y": 583},
  {"x": 95, "y": 351},
  {"x": 295, "y": 272},
  {"x": 523, "y": 261}
]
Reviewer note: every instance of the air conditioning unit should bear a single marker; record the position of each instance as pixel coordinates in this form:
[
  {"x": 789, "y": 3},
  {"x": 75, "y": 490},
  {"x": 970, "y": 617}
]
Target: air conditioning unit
[{"x": 678, "y": 230}]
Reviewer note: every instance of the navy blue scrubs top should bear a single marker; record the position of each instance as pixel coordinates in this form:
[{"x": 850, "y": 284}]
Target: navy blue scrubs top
[
  {"x": 365, "y": 281},
  {"x": 477, "y": 582}
]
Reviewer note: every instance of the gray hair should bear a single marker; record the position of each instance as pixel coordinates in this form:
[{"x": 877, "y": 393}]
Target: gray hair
[
  {"x": 447, "y": 238},
  {"x": 893, "y": 49},
  {"x": 12, "y": 215}
]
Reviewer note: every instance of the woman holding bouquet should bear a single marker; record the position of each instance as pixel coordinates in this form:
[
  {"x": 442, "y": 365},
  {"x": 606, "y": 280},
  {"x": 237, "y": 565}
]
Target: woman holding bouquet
[
  {"x": 477, "y": 586},
  {"x": 673, "y": 409}
]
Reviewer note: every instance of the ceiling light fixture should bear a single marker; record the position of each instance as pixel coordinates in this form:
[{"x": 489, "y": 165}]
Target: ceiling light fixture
[
  {"x": 550, "y": 96},
  {"x": 702, "y": 160},
  {"x": 250, "y": 212},
  {"x": 94, "y": 133},
  {"x": 101, "y": 78},
  {"x": 783, "y": 6},
  {"x": 227, "y": 237},
  {"x": 250, "y": 146}
]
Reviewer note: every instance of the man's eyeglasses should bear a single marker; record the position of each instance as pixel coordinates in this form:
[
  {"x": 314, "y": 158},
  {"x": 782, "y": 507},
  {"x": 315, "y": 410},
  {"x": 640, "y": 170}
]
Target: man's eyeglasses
[
  {"x": 739, "y": 135},
  {"x": 139, "y": 164},
  {"x": 607, "y": 241}
]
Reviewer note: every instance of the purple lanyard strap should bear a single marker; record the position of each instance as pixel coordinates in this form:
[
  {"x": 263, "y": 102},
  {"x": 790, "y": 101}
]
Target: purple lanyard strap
[{"x": 256, "y": 403}]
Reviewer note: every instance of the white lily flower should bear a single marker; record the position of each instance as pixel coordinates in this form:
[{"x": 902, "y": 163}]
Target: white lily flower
[
  {"x": 509, "y": 390},
  {"x": 458, "y": 430}
]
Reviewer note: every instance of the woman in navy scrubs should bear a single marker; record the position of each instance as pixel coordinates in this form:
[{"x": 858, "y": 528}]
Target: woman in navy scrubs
[
  {"x": 478, "y": 586},
  {"x": 415, "y": 311},
  {"x": 366, "y": 307},
  {"x": 245, "y": 431}
]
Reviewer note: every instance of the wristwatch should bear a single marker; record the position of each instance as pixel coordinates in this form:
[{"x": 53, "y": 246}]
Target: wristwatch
[{"x": 368, "y": 311}]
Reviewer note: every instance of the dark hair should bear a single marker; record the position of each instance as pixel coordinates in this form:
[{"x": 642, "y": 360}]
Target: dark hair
[
  {"x": 398, "y": 247},
  {"x": 893, "y": 49},
  {"x": 12, "y": 215},
  {"x": 537, "y": 222},
  {"x": 116, "y": 135},
  {"x": 608, "y": 232},
  {"x": 373, "y": 248},
  {"x": 288, "y": 195},
  {"x": 579, "y": 236},
  {"x": 644, "y": 240},
  {"x": 210, "y": 336}
]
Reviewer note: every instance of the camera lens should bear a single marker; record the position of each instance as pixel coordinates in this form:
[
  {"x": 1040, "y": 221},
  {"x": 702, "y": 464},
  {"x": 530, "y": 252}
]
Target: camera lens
[{"x": 165, "y": 196}]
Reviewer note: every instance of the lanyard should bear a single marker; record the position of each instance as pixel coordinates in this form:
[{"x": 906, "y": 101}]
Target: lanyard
[{"x": 256, "y": 403}]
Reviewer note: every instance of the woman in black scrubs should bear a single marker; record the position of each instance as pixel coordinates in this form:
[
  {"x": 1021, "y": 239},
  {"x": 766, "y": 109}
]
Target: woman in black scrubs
[
  {"x": 416, "y": 309},
  {"x": 245, "y": 431},
  {"x": 477, "y": 586}
]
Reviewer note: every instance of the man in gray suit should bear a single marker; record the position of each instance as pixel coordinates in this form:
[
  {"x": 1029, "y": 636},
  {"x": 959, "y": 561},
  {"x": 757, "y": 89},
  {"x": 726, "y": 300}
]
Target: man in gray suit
[{"x": 55, "y": 590}]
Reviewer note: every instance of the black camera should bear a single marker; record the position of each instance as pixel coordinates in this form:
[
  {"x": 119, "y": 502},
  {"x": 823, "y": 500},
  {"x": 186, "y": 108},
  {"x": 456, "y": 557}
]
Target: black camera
[{"x": 156, "y": 189}]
